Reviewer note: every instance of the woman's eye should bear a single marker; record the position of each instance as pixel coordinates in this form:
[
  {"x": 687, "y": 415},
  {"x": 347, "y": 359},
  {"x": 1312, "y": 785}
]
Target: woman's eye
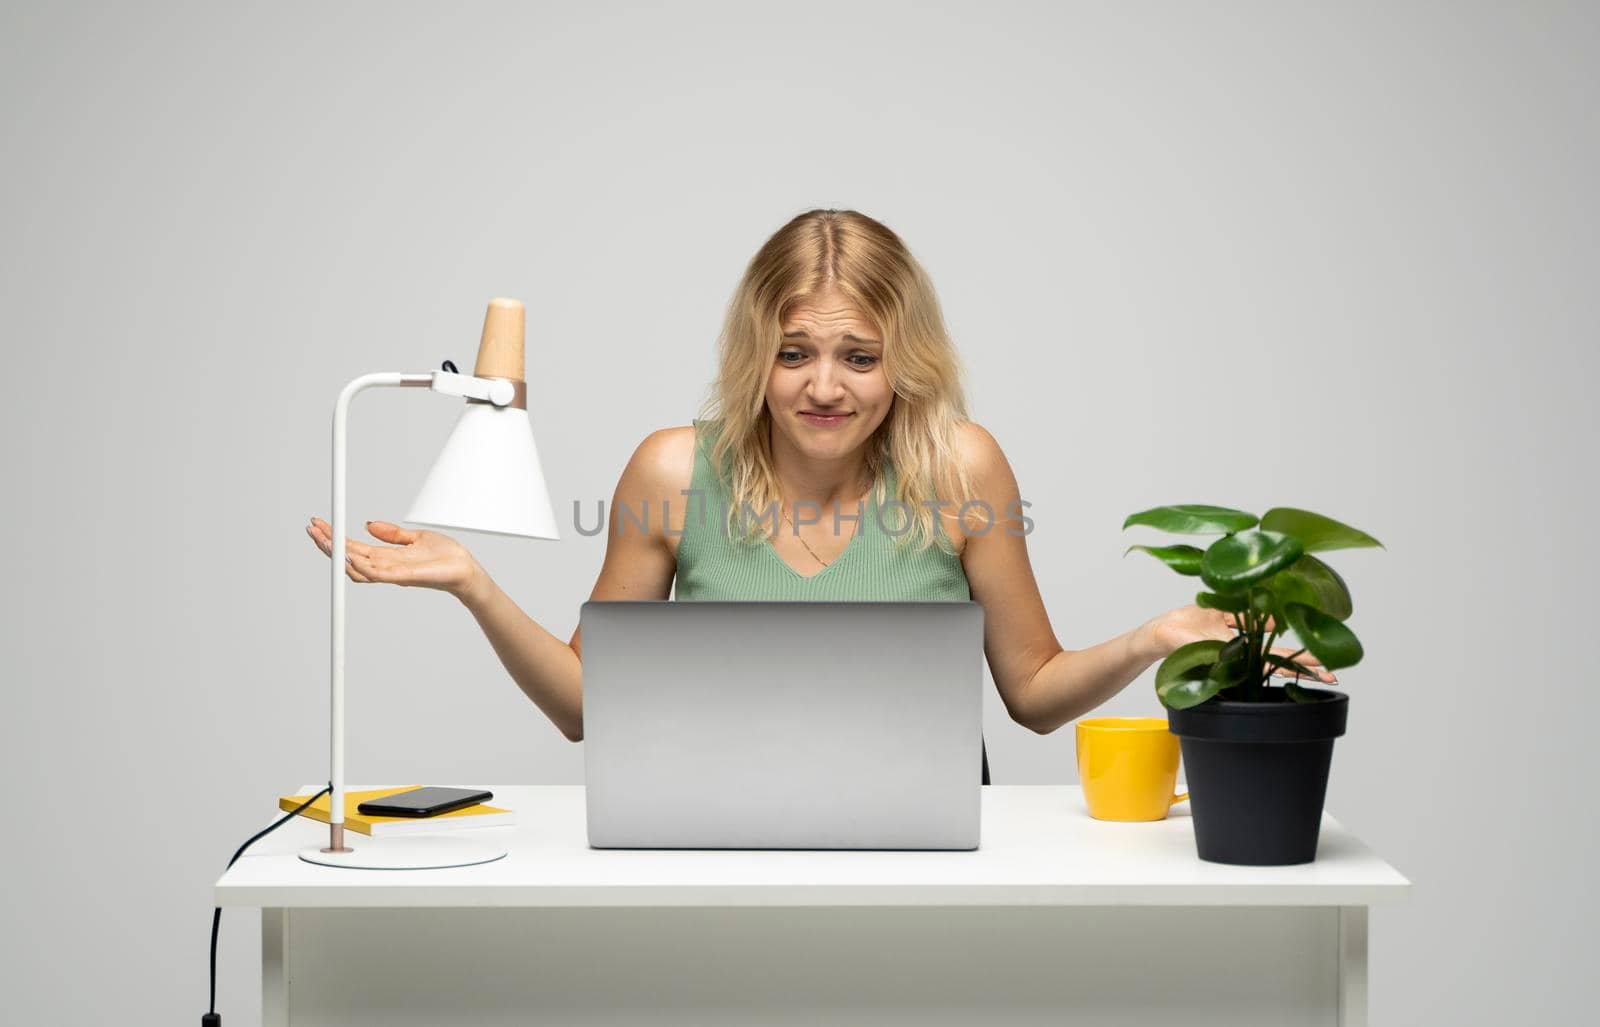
[{"x": 862, "y": 361}]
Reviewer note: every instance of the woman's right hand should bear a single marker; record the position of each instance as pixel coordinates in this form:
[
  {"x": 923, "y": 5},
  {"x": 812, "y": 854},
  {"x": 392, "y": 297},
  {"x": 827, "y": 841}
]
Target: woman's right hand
[{"x": 425, "y": 559}]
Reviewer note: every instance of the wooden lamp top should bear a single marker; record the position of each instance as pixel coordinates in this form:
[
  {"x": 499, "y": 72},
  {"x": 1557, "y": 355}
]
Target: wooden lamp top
[{"x": 500, "y": 351}]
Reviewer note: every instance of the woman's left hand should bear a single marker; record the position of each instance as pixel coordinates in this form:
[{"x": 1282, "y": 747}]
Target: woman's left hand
[{"x": 1194, "y": 623}]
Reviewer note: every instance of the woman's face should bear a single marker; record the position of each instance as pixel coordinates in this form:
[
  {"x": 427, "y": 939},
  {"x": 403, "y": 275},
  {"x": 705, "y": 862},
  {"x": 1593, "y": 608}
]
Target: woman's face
[{"x": 827, "y": 392}]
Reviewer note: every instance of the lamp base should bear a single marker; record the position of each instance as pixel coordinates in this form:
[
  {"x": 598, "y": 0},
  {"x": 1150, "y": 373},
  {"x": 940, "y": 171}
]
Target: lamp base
[{"x": 423, "y": 852}]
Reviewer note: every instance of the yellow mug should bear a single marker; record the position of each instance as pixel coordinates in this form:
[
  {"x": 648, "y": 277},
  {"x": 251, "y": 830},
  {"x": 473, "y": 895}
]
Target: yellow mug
[{"x": 1128, "y": 767}]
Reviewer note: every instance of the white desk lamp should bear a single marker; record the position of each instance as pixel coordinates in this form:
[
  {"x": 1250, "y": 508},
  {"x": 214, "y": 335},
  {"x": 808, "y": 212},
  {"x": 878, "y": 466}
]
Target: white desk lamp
[{"x": 487, "y": 478}]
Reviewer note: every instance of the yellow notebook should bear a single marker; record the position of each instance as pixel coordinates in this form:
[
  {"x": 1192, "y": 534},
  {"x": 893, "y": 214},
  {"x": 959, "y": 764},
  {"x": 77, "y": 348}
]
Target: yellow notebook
[{"x": 382, "y": 827}]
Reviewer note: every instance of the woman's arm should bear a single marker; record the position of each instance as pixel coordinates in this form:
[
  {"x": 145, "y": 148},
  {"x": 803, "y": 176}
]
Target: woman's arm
[
  {"x": 546, "y": 669},
  {"x": 1042, "y": 685},
  {"x": 638, "y": 565}
]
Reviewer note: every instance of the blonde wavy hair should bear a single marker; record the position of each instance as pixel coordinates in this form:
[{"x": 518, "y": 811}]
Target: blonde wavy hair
[{"x": 869, "y": 264}]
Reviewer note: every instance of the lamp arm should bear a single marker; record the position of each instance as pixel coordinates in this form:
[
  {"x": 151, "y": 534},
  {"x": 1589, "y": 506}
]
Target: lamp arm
[
  {"x": 496, "y": 391},
  {"x": 341, "y": 415}
]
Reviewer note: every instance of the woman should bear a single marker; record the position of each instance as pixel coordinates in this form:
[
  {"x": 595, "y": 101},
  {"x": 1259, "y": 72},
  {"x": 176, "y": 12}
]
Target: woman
[{"x": 834, "y": 461}]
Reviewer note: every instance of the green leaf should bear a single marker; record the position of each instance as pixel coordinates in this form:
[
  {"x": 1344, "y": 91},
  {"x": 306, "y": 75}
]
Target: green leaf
[
  {"x": 1231, "y": 565},
  {"x": 1318, "y": 533},
  {"x": 1181, "y": 678},
  {"x": 1193, "y": 519},
  {"x": 1313, "y": 583},
  {"x": 1183, "y": 559},
  {"x": 1233, "y": 664},
  {"x": 1328, "y": 639},
  {"x": 1212, "y": 601},
  {"x": 1191, "y": 688},
  {"x": 1187, "y": 657}
]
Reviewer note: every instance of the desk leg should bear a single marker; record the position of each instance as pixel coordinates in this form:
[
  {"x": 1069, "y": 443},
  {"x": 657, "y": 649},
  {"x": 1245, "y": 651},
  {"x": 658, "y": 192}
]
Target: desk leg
[
  {"x": 1353, "y": 966},
  {"x": 274, "y": 977}
]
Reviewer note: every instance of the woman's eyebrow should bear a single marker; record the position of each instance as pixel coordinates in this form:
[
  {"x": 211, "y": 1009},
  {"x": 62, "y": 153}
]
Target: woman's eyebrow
[{"x": 858, "y": 340}]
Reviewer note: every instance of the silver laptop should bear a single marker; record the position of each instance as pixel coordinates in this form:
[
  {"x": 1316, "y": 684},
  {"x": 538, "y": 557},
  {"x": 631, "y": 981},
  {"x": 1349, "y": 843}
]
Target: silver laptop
[{"x": 771, "y": 725}]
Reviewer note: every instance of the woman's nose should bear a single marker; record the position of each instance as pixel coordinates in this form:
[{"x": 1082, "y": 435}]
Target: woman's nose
[{"x": 825, "y": 386}]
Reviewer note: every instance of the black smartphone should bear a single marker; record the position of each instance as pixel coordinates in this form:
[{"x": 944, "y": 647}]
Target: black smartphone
[{"x": 423, "y": 802}]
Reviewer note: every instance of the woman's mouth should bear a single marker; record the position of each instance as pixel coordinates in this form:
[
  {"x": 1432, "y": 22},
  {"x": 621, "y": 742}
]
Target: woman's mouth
[{"x": 823, "y": 420}]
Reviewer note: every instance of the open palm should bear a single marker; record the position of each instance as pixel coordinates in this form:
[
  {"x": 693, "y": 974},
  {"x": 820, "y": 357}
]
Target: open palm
[{"x": 424, "y": 559}]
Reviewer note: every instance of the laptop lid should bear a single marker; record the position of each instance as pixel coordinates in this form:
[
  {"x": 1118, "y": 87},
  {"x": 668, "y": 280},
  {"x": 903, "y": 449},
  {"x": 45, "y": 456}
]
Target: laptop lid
[{"x": 814, "y": 725}]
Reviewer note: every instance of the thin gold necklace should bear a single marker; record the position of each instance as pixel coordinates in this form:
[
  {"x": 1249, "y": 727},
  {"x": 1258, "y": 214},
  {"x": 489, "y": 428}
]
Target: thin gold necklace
[{"x": 854, "y": 528}]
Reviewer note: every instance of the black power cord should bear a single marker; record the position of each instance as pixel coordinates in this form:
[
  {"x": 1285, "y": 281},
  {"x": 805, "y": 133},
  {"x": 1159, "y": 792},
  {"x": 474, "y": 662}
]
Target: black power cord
[{"x": 212, "y": 1019}]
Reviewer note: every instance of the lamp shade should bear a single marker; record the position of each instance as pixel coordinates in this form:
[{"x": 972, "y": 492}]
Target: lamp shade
[{"x": 488, "y": 476}]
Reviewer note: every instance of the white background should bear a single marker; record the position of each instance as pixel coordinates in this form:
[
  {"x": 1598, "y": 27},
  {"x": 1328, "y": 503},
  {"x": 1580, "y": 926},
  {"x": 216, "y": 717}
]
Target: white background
[{"x": 1253, "y": 255}]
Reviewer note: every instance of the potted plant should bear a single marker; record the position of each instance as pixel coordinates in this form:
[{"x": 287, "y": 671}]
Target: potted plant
[{"x": 1257, "y": 754}]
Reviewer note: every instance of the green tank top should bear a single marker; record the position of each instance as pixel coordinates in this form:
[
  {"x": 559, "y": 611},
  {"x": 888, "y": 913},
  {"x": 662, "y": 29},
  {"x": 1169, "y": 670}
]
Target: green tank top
[{"x": 714, "y": 566}]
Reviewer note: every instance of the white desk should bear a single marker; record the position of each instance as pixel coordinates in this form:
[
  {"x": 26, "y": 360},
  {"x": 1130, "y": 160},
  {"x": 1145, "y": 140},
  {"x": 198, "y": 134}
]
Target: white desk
[{"x": 1055, "y": 917}]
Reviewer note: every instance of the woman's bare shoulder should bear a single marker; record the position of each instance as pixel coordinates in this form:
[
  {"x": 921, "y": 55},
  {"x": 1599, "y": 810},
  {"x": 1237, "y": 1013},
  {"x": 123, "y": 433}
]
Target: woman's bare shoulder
[
  {"x": 662, "y": 469},
  {"x": 989, "y": 474},
  {"x": 980, "y": 454},
  {"x": 671, "y": 453},
  {"x": 663, "y": 464}
]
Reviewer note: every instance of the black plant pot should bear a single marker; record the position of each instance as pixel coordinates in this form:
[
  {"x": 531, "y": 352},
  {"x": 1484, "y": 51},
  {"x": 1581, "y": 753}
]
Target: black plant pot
[{"x": 1258, "y": 773}]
